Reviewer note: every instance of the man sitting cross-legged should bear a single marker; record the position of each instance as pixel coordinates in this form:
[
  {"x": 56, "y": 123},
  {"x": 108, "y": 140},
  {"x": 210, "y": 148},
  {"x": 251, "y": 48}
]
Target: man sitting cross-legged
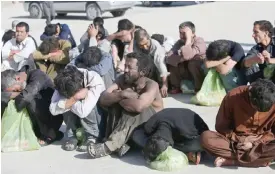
[
  {"x": 132, "y": 100},
  {"x": 76, "y": 95},
  {"x": 245, "y": 127}
]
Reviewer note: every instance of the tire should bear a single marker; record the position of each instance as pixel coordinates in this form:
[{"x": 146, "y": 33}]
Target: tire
[
  {"x": 166, "y": 3},
  {"x": 61, "y": 14},
  {"x": 200, "y": 2},
  {"x": 147, "y": 3},
  {"x": 92, "y": 11},
  {"x": 118, "y": 13},
  {"x": 35, "y": 11}
]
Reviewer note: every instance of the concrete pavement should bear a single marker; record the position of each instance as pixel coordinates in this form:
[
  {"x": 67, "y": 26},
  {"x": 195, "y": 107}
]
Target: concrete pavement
[{"x": 219, "y": 20}]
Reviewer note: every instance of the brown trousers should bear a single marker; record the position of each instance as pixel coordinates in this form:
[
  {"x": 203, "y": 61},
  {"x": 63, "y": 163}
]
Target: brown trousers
[
  {"x": 220, "y": 146},
  {"x": 188, "y": 70}
]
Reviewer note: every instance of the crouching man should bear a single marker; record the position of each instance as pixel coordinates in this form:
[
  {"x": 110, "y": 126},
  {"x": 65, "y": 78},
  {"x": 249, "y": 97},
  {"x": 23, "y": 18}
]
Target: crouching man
[
  {"x": 177, "y": 127},
  {"x": 245, "y": 127},
  {"x": 76, "y": 95},
  {"x": 33, "y": 90},
  {"x": 132, "y": 100}
]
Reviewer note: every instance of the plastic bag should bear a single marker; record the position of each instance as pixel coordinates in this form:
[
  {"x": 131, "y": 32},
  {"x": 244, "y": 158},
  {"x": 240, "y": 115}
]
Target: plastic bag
[
  {"x": 269, "y": 71},
  {"x": 212, "y": 91},
  {"x": 170, "y": 160},
  {"x": 80, "y": 135},
  {"x": 187, "y": 87},
  {"x": 17, "y": 133}
]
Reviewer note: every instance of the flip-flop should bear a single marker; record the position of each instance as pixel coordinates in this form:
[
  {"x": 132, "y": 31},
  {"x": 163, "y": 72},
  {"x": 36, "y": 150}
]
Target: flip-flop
[{"x": 195, "y": 157}]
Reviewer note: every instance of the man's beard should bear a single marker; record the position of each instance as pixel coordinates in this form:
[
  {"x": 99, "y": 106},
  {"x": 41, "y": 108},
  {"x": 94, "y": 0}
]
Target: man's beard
[{"x": 129, "y": 80}]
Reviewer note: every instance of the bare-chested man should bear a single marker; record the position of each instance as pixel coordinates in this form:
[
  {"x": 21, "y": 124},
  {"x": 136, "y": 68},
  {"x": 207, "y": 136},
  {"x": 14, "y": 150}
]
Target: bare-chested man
[{"x": 132, "y": 100}]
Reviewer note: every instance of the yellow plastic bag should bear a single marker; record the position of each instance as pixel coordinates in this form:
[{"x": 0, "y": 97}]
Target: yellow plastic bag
[
  {"x": 212, "y": 91},
  {"x": 16, "y": 131},
  {"x": 170, "y": 160}
]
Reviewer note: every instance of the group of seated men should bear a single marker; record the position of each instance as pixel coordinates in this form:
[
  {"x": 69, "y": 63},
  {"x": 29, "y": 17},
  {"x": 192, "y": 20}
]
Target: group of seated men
[{"x": 111, "y": 87}]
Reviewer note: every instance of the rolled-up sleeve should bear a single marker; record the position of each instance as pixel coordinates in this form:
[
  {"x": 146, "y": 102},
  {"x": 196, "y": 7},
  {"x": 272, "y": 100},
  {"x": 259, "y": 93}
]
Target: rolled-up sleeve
[{"x": 191, "y": 50}]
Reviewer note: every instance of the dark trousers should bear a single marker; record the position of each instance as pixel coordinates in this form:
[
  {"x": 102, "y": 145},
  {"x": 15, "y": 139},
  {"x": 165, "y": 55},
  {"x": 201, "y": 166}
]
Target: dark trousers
[
  {"x": 140, "y": 138},
  {"x": 189, "y": 70}
]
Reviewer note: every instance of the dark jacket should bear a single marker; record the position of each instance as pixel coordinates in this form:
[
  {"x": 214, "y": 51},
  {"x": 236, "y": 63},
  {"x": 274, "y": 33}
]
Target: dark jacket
[
  {"x": 65, "y": 34},
  {"x": 175, "y": 125}
]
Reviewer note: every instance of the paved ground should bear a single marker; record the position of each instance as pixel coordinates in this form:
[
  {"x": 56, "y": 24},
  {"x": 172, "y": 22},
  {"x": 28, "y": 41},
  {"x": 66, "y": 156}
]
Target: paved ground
[{"x": 227, "y": 20}]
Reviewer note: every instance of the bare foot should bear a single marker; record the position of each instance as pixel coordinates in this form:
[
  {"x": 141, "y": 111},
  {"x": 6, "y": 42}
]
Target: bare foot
[
  {"x": 194, "y": 157},
  {"x": 219, "y": 161},
  {"x": 41, "y": 142}
]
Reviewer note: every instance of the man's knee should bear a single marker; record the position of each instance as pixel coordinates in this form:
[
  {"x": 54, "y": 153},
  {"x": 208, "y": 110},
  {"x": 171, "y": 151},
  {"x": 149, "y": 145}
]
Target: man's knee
[{"x": 207, "y": 139}]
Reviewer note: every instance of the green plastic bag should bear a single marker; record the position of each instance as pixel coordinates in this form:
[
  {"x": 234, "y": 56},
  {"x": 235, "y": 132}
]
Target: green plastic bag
[
  {"x": 187, "y": 87},
  {"x": 212, "y": 91},
  {"x": 17, "y": 133},
  {"x": 80, "y": 135},
  {"x": 269, "y": 71},
  {"x": 170, "y": 160}
]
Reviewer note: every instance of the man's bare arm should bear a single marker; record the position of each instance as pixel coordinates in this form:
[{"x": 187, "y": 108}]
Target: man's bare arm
[
  {"x": 109, "y": 96},
  {"x": 144, "y": 101}
]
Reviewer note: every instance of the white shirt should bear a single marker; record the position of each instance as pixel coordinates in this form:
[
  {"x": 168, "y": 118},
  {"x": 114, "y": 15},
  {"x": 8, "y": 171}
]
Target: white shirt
[
  {"x": 82, "y": 108},
  {"x": 26, "y": 47}
]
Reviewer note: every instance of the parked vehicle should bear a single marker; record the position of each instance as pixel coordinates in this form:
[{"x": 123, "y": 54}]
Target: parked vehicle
[
  {"x": 92, "y": 9},
  {"x": 167, "y": 3}
]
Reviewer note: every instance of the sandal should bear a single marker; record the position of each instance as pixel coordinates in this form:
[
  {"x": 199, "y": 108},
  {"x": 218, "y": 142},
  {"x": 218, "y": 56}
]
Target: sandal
[
  {"x": 98, "y": 150},
  {"x": 71, "y": 144},
  {"x": 194, "y": 157},
  {"x": 84, "y": 146},
  {"x": 123, "y": 150}
]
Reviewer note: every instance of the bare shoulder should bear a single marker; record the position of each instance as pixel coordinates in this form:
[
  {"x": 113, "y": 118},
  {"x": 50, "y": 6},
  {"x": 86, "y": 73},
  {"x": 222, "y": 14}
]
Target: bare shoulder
[{"x": 151, "y": 84}]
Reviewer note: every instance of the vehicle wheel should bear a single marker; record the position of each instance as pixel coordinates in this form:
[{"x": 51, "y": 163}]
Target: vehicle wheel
[
  {"x": 166, "y": 3},
  {"x": 92, "y": 11},
  {"x": 200, "y": 2},
  {"x": 147, "y": 3},
  {"x": 118, "y": 13},
  {"x": 61, "y": 14},
  {"x": 35, "y": 11}
]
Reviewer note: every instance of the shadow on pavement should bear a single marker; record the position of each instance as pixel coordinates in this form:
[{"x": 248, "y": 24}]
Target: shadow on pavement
[
  {"x": 183, "y": 98},
  {"x": 83, "y": 156},
  {"x": 174, "y": 4},
  {"x": 133, "y": 157},
  {"x": 83, "y": 18}
]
